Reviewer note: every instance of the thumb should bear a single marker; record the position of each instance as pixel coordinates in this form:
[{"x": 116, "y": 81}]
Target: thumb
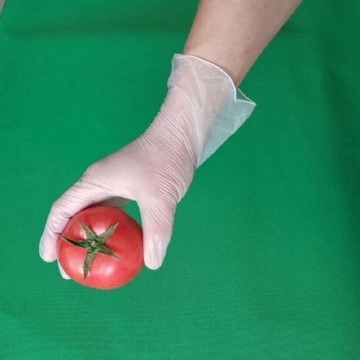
[
  {"x": 76, "y": 198},
  {"x": 157, "y": 223}
]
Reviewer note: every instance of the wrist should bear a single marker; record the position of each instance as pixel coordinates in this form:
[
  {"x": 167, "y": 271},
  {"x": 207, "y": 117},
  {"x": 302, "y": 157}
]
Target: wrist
[
  {"x": 201, "y": 109},
  {"x": 218, "y": 107},
  {"x": 230, "y": 66}
]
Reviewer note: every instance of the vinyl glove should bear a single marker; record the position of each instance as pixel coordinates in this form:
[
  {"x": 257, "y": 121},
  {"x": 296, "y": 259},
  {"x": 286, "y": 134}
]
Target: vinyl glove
[{"x": 201, "y": 110}]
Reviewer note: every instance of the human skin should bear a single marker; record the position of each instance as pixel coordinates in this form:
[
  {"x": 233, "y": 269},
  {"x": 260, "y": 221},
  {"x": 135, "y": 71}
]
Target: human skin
[
  {"x": 1, "y": 5},
  {"x": 232, "y": 33}
]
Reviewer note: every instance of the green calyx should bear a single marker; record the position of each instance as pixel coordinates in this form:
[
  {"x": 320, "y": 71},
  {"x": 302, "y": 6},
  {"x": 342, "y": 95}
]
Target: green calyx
[{"x": 93, "y": 244}]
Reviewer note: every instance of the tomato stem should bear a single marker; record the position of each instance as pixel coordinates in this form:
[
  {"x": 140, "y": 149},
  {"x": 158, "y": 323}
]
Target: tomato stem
[{"x": 93, "y": 244}]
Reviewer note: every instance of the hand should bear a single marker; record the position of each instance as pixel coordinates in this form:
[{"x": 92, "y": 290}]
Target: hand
[{"x": 199, "y": 113}]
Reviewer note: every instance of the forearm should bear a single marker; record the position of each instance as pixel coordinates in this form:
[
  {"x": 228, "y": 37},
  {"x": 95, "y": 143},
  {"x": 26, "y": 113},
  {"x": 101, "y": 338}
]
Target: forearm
[
  {"x": 232, "y": 33},
  {"x": 1, "y": 5}
]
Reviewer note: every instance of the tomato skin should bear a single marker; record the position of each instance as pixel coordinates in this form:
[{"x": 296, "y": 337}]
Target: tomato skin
[{"x": 105, "y": 272}]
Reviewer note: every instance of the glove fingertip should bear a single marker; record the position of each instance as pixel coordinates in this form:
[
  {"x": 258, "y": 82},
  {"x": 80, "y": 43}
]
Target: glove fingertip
[
  {"x": 45, "y": 253},
  {"x": 154, "y": 256},
  {"x": 63, "y": 273},
  {"x": 46, "y": 256}
]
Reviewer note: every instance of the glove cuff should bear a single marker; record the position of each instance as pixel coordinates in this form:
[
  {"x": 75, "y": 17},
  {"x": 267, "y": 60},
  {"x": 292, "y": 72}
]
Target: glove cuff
[{"x": 235, "y": 106}]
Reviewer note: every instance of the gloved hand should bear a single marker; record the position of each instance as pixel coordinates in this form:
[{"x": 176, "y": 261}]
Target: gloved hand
[{"x": 201, "y": 110}]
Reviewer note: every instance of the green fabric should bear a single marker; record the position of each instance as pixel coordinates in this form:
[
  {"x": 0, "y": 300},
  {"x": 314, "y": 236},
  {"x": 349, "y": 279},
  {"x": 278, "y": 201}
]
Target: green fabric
[{"x": 264, "y": 262}]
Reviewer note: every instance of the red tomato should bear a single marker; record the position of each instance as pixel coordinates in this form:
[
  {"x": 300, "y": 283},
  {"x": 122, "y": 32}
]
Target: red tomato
[{"x": 109, "y": 239}]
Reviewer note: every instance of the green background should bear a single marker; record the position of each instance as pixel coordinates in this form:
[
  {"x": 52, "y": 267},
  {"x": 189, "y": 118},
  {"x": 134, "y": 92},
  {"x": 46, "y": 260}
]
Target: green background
[{"x": 264, "y": 261}]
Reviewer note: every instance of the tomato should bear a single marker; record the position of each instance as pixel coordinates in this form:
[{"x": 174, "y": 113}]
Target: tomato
[{"x": 101, "y": 247}]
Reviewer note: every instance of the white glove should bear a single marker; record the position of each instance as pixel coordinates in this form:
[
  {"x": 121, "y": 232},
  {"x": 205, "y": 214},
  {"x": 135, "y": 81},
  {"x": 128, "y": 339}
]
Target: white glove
[{"x": 201, "y": 110}]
